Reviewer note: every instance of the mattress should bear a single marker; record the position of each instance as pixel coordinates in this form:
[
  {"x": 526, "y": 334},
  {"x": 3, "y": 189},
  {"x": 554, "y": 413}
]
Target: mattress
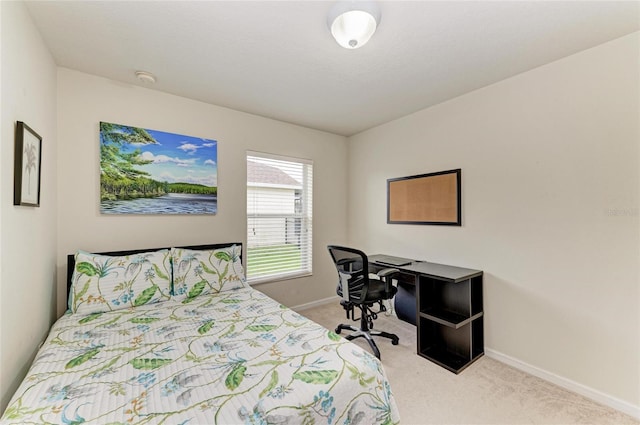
[{"x": 232, "y": 357}]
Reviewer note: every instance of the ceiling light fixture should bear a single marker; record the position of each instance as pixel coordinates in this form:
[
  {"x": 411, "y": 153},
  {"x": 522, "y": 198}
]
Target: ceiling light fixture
[
  {"x": 145, "y": 77},
  {"x": 352, "y": 23}
]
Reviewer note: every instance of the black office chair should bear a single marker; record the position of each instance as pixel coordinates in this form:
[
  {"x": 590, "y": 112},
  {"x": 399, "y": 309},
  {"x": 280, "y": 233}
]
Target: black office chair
[{"x": 358, "y": 289}]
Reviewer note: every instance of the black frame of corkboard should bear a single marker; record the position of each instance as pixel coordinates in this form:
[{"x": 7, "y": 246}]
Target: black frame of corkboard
[{"x": 433, "y": 198}]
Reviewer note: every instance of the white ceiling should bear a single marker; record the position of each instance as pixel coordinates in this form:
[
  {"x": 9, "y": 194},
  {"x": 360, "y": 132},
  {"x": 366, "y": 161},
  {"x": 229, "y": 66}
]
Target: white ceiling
[{"x": 277, "y": 58}]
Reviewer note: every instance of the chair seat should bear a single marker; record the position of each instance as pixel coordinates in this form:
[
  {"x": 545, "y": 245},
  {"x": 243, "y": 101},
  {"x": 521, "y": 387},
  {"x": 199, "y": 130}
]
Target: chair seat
[{"x": 377, "y": 291}]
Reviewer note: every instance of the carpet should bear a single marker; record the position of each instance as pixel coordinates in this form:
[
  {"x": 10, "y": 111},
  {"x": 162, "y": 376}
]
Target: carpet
[{"x": 487, "y": 392}]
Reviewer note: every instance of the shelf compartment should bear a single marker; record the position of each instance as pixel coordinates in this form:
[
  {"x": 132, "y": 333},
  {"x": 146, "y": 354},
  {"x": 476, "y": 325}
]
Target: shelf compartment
[
  {"x": 446, "y": 359},
  {"x": 450, "y": 361},
  {"x": 451, "y": 301},
  {"x": 452, "y": 348}
]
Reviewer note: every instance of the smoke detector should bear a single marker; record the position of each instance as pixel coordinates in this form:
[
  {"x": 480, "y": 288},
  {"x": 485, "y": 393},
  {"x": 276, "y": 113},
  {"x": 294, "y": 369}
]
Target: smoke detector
[{"x": 145, "y": 77}]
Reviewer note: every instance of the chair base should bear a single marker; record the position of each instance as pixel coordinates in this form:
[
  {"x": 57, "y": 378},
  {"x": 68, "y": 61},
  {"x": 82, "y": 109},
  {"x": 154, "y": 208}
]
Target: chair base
[{"x": 367, "y": 334}]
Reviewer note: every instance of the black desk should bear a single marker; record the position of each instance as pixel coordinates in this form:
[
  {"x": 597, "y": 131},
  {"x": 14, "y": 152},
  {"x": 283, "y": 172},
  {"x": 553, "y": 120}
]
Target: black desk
[{"x": 448, "y": 310}]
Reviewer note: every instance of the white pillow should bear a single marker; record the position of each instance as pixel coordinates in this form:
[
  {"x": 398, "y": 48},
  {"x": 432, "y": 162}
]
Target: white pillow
[
  {"x": 106, "y": 283},
  {"x": 199, "y": 272}
]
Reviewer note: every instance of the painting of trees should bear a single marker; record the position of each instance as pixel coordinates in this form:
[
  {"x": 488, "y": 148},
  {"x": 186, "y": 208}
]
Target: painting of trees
[
  {"x": 139, "y": 164},
  {"x": 119, "y": 177}
]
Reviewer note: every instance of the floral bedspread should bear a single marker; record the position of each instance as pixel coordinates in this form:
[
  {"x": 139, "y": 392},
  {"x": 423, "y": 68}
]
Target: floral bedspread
[{"x": 237, "y": 357}]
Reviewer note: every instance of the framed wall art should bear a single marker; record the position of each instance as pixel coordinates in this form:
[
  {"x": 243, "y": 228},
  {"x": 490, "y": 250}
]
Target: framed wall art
[
  {"x": 27, "y": 163},
  {"x": 433, "y": 198},
  {"x": 146, "y": 171}
]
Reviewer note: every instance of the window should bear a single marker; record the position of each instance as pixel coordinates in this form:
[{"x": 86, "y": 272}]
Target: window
[{"x": 279, "y": 217}]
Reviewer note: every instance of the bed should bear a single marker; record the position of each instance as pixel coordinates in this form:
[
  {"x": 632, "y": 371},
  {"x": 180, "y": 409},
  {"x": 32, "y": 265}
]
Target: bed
[{"x": 176, "y": 336}]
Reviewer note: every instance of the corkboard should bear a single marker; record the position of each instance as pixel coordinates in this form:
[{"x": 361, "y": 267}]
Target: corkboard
[{"x": 425, "y": 199}]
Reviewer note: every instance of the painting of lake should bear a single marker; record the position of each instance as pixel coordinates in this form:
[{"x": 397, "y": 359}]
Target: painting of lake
[{"x": 146, "y": 171}]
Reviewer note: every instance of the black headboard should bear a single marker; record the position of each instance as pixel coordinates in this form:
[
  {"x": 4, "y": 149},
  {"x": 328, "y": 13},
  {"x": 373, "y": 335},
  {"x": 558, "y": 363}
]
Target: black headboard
[{"x": 71, "y": 258}]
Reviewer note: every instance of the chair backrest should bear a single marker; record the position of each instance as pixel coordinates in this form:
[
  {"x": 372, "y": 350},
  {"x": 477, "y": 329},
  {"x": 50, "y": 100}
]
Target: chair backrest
[{"x": 353, "y": 271}]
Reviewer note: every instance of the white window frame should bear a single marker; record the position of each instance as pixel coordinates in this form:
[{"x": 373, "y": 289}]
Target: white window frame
[{"x": 280, "y": 216}]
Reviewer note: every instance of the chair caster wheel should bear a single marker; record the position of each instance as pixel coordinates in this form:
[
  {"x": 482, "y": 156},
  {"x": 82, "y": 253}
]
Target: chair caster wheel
[
  {"x": 395, "y": 341},
  {"x": 338, "y": 330}
]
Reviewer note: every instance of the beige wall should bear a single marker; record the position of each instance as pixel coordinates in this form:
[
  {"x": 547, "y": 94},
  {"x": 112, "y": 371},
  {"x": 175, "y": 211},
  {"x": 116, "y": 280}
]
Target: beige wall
[
  {"x": 85, "y": 100},
  {"x": 550, "y": 193},
  {"x": 28, "y": 242}
]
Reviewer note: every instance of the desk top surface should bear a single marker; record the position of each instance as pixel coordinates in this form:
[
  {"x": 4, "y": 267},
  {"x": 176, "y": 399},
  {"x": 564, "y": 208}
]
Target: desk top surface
[{"x": 441, "y": 271}]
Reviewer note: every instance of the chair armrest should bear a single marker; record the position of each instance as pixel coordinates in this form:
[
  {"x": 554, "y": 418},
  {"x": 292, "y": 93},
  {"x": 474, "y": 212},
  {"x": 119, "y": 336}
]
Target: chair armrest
[
  {"x": 387, "y": 272},
  {"x": 385, "y": 275}
]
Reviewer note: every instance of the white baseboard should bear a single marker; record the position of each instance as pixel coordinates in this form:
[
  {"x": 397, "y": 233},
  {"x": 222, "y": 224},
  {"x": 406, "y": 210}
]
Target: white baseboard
[
  {"x": 595, "y": 395},
  {"x": 317, "y": 303}
]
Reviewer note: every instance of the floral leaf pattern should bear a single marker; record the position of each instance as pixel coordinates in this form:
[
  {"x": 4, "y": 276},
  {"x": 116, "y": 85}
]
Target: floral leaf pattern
[
  {"x": 235, "y": 377},
  {"x": 87, "y": 268},
  {"x": 197, "y": 289},
  {"x": 90, "y": 317},
  {"x": 272, "y": 384},
  {"x": 145, "y": 296},
  {"x": 208, "y": 361},
  {"x": 149, "y": 363},
  {"x": 76, "y": 361},
  {"x": 206, "y": 327},
  {"x": 316, "y": 376}
]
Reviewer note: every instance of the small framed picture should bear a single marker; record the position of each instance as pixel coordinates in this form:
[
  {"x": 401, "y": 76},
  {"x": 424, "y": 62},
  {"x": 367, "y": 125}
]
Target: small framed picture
[{"x": 28, "y": 158}]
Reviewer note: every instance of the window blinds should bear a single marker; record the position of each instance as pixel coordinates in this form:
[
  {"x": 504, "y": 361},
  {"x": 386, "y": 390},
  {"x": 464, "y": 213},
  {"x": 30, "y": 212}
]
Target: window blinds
[{"x": 279, "y": 217}]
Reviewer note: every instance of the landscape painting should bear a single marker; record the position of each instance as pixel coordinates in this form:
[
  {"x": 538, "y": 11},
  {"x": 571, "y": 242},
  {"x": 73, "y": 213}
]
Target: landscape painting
[{"x": 146, "y": 171}]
